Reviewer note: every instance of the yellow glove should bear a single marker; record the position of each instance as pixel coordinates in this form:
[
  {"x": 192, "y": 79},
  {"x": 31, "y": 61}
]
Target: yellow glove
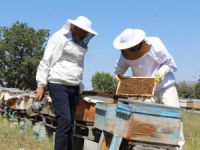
[
  {"x": 160, "y": 74},
  {"x": 159, "y": 77}
]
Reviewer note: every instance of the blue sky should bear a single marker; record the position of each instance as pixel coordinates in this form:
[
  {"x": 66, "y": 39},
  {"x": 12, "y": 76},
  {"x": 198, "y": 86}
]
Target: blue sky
[{"x": 176, "y": 22}]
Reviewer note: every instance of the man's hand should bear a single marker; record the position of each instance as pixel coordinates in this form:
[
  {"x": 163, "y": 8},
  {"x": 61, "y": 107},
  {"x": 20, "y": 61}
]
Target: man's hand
[{"x": 39, "y": 93}]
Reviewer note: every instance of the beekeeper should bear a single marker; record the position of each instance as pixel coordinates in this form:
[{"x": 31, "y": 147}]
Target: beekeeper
[
  {"x": 61, "y": 69},
  {"x": 147, "y": 56}
]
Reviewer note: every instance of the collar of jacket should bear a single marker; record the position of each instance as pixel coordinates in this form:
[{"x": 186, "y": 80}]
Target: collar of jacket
[{"x": 58, "y": 48}]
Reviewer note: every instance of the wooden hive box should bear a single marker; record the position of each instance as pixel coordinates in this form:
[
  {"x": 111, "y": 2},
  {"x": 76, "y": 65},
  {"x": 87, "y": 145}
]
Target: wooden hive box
[
  {"x": 12, "y": 103},
  {"x": 196, "y": 105},
  {"x": 105, "y": 116},
  {"x": 24, "y": 101},
  {"x": 193, "y": 104},
  {"x": 136, "y": 86},
  {"x": 145, "y": 122},
  {"x": 85, "y": 111},
  {"x": 189, "y": 104},
  {"x": 183, "y": 103}
]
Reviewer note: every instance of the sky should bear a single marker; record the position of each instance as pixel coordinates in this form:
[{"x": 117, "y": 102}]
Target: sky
[{"x": 175, "y": 22}]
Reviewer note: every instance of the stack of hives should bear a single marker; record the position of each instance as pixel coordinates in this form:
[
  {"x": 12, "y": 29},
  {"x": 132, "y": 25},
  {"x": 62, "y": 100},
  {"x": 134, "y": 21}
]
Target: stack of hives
[
  {"x": 86, "y": 135},
  {"x": 15, "y": 102}
]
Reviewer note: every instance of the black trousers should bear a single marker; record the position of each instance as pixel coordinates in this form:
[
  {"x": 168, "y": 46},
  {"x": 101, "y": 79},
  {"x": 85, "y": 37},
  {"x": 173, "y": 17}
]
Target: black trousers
[{"x": 65, "y": 99}]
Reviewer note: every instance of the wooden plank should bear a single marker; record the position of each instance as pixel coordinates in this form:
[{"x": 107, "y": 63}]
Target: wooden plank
[
  {"x": 90, "y": 145},
  {"x": 136, "y": 86},
  {"x": 109, "y": 141},
  {"x": 86, "y": 132},
  {"x": 78, "y": 143},
  {"x": 115, "y": 143},
  {"x": 98, "y": 94},
  {"x": 50, "y": 126},
  {"x": 102, "y": 99},
  {"x": 140, "y": 147},
  {"x": 105, "y": 141},
  {"x": 148, "y": 146},
  {"x": 149, "y": 109}
]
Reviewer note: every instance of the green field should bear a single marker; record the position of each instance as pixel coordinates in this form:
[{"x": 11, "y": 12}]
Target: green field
[
  {"x": 12, "y": 139},
  {"x": 191, "y": 130}
]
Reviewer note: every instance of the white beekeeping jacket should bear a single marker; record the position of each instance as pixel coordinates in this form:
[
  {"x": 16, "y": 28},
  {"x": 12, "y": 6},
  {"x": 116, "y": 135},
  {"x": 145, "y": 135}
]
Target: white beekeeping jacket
[
  {"x": 62, "y": 62},
  {"x": 149, "y": 63}
]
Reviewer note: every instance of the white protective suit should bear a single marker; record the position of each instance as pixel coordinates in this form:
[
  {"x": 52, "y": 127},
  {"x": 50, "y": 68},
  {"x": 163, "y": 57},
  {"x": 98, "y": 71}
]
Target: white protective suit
[
  {"x": 159, "y": 63},
  {"x": 63, "y": 60},
  {"x": 156, "y": 62}
]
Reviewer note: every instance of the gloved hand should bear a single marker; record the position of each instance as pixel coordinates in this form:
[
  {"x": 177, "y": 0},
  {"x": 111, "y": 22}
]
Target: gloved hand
[
  {"x": 158, "y": 77},
  {"x": 160, "y": 74}
]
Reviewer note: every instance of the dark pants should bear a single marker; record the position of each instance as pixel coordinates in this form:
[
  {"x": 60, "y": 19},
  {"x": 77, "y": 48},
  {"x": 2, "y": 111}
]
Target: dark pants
[{"x": 65, "y": 99}]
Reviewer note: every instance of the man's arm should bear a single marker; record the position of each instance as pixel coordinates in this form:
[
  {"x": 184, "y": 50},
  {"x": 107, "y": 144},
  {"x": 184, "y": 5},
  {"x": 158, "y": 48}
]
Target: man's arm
[
  {"x": 44, "y": 67},
  {"x": 121, "y": 67}
]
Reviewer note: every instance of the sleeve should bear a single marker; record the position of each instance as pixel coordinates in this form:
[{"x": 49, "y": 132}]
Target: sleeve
[
  {"x": 81, "y": 86},
  {"x": 121, "y": 67},
  {"x": 162, "y": 56},
  {"x": 44, "y": 65}
]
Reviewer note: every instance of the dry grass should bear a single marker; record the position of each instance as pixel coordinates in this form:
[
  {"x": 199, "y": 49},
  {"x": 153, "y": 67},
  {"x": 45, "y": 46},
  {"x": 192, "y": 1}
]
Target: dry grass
[
  {"x": 12, "y": 139},
  {"x": 191, "y": 130}
]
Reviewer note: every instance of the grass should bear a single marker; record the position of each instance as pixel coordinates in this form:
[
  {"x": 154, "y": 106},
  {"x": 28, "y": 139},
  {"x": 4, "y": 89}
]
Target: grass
[
  {"x": 12, "y": 139},
  {"x": 191, "y": 130}
]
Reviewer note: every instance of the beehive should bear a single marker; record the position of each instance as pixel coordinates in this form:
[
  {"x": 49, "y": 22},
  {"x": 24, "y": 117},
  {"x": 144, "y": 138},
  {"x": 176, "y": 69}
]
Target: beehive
[
  {"x": 143, "y": 122},
  {"x": 193, "y": 104},
  {"x": 136, "y": 86}
]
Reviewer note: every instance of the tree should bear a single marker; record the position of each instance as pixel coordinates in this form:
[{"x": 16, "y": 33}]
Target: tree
[
  {"x": 197, "y": 90},
  {"x": 185, "y": 91},
  {"x": 21, "y": 48},
  {"x": 104, "y": 82}
]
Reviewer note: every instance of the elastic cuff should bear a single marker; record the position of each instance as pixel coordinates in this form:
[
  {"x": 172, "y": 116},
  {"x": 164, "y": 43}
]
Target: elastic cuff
[{"x": 41, "y": 85}]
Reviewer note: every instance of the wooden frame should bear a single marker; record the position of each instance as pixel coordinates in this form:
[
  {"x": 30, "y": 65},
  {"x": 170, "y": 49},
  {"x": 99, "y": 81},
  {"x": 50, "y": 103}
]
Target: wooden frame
[{"x": 120, "y": 85}]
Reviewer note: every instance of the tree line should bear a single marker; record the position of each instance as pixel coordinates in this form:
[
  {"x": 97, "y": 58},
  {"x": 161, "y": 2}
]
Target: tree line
[{"x": 186, "y": 90}]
